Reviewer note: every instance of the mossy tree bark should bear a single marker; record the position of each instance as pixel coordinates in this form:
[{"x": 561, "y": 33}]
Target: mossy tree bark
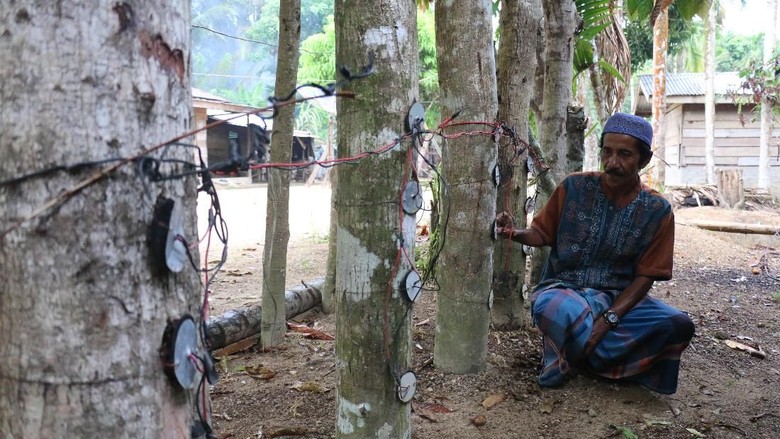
[
  {"x": 277, "y": 223},
  {"x": 373, "y": 322},
  {"x": 519, "y": 23},
  {"x": 467, "y": 81},
  {"x": 82, "y": 310}
]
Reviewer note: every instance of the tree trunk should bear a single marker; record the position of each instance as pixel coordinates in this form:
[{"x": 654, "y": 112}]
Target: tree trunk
[
  {"x": 516, "y": 69},
  {"x": 329, "y": 289},
  {"x": 709, "y": 96},
  {"x": 576, "y": 122},
  {"x": 770, "y": 42},
  {"x": 82, "y": 312},
  {"x": 375, "y": 238},
  {"x": 467, "y": 83},
  {"x": 560, "y": 20},
  {"x": 731, "y": 190},
  {"x": 236, "y": 325},
  {"x": 660, "y": 47},
  {"x": 277, "y": 223}
]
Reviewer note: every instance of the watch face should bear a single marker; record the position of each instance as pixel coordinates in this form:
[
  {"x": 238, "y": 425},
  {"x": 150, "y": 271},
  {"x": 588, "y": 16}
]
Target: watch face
[{"x": 611, "y": 317}]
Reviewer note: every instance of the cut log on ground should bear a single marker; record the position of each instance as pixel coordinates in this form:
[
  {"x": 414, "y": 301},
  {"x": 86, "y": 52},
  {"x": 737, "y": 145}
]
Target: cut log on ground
[
  {"x": 722, "y": 226},
  {"x": 236, "y": 325}
]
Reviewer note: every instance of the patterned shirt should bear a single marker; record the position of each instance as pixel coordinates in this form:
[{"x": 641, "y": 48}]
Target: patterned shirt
[{"x": 603, "y": 240}]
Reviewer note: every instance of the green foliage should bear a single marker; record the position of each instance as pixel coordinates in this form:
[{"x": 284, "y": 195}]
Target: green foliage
[
  {"x": 776, "y": 296},
  {"x": 318, "y": 55},
  {"x": 763, "y": 81},
  {"x": 736, "y": 52},
  {"x": 639, "y": 35},
  {"x": 625, "y": 431}
]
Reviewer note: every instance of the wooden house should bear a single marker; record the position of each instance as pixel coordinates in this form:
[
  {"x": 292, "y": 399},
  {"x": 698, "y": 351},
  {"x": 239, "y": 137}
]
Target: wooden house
[
  {"x": 242, "y": 135},
  {"x": 736, "y": 145}
]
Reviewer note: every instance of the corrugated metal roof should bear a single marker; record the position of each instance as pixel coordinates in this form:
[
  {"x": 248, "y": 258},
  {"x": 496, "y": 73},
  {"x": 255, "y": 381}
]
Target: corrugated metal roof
[
  {"x": 203, "y": 94},
  {"x": 692, "y": 84}
]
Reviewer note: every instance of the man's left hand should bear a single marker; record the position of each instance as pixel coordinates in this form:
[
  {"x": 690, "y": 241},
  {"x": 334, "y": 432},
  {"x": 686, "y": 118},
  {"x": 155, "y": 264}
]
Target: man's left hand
[{"x": 600, "y": 329}]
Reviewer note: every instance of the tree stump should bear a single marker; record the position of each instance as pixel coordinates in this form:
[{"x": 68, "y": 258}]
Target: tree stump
[{"x": 731, "y": 190}]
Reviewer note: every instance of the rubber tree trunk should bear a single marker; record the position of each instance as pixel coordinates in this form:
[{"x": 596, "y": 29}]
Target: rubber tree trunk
[
  {"x": 560, "y": 21},
  {"x": 709, "y": 96},
  {"x": 770, "y": 42},
  {"x": 467, "y": 83},
  {"x": 329, "y": 289},
  {"x": 373, "y": 321},
  {"x": 519, "y": 22},
  {"x": 82, "y": 311},
  {"x": 660, "y": 48},
  {"x": 277, "y": 223}
]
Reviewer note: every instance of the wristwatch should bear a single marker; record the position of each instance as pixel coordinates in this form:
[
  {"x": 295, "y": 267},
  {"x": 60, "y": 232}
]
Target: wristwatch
[{"x": 612, "y": 318}]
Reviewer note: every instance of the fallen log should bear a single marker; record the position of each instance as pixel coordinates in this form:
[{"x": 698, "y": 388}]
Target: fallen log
[
  {"x": 238, "y": 324},
  {"x": 722, "y": 226}
]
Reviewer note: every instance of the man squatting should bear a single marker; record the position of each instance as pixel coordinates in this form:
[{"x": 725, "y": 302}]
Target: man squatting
[{"x": 611, "y": 237}]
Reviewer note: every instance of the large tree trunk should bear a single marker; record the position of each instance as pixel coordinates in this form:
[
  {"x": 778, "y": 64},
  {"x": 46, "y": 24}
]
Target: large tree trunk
[
  {"x": 560, "y": 19},
  {"x": 660, "y": 48},
  {"x": 277, "y": 223},
  {"x": 373, "y": 322},
  {"x": 519, "y": 22},
  {"x": 560, "y": 22},
  {"x": 770, "y": 42},
  {"x": 467, "y": 83},
  {"x": 709, "y": 96},
  {"x": 82, "y": 311}
]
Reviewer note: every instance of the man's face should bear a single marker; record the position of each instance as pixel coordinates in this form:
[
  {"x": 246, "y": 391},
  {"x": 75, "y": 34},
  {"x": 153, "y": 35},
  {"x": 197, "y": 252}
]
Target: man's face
[{"x": 621, "y": 158}]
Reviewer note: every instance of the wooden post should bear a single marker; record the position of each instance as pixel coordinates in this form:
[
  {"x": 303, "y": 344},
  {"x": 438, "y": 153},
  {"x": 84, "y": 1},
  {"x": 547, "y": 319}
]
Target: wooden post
[{"x": 731, "y": 191}]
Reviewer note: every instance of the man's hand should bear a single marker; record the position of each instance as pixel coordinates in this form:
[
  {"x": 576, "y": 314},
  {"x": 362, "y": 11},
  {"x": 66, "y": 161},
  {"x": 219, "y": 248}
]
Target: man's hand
[
  {"x": 504, "y": 219},
  {"x": 600, "y": 329}
]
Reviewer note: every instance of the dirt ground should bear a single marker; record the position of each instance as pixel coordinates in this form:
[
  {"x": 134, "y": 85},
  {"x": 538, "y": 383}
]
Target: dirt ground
[{"x": 723, "y": 281}]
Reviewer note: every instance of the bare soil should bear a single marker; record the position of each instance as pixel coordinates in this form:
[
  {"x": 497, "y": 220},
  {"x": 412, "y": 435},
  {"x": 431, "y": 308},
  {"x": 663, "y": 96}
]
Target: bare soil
[{"x": 720, "y": 280}]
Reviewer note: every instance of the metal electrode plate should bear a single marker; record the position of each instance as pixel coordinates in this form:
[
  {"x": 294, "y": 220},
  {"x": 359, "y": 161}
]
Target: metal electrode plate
[
  {"x": 415, "y": 118},
  {"x": 413, "y": 285},
  {"x": 185, "y": 343},
  {"x": 175, "y": 251},
  {"x": 413, "y": 199},
  {"x": 407, "y": 385}
]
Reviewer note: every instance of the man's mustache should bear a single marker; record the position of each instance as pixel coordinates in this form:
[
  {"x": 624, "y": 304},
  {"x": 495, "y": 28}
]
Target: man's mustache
[{"x": 614, "y": 171}]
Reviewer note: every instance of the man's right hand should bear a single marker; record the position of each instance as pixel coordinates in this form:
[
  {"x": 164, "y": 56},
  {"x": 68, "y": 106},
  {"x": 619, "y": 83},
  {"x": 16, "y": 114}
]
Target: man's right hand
[{"x": 504, "y": 219}]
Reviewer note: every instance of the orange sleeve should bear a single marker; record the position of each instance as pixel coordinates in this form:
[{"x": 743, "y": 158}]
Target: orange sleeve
[
  {"x": 657, "y": 261},
  {"x": 547, "y": 220}
]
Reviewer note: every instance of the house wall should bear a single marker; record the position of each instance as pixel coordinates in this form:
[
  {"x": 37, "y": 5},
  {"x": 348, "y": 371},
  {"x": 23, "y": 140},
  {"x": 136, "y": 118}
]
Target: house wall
[{"x": 736, "y": 146}]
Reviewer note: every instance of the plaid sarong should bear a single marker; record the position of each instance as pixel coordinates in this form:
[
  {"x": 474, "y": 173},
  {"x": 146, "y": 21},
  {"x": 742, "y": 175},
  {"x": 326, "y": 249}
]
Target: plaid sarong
[{"x": 644, "y": 348}]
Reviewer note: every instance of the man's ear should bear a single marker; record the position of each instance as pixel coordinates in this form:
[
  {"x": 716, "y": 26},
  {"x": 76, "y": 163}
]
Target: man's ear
[{"x": 645, "y": 162}]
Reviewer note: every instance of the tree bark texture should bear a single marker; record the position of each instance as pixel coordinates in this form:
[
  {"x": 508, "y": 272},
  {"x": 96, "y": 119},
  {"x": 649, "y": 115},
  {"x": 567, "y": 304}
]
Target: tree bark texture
[
  {"x": 82, "y": 312},
  {"x": 560, "y": 22},
  {"x": 660, "y": 49},
  {"x": 329, "y": 289},
  {"x": 731, "y": 189},
  {"x": 277, "y": 223},
  {"x": 576, "y": 122},
  {"x": 770, "y": 42},
  {"x": 559, "y": 27},
  {"x": 236, "y": 325},
  {"x": 519, "y": 22},
  {"x": 375, "y": 238},
  {"x": 467, "y": 83},
  {"x": 709, "y": 96}
]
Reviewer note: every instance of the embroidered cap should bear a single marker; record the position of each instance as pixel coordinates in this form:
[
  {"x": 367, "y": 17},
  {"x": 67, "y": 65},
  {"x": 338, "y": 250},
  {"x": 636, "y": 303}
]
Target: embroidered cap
[{"x": 634, "y": 126}]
